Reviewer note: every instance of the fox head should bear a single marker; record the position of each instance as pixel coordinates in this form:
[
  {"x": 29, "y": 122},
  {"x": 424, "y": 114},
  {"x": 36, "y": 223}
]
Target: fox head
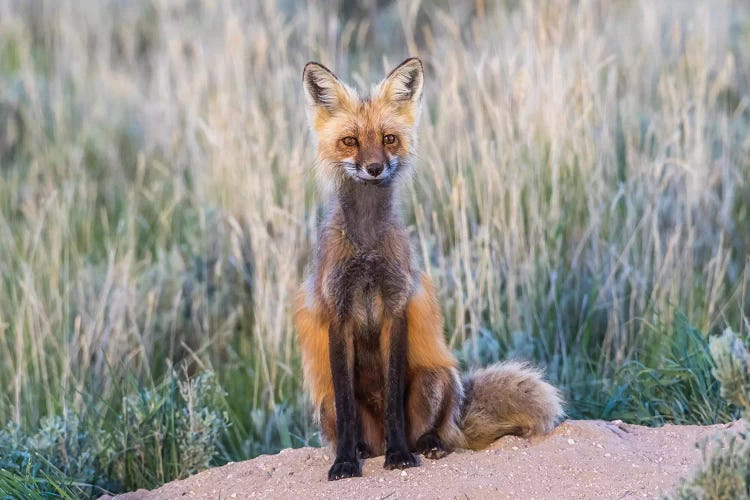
[{"x": 364, "y": 139}]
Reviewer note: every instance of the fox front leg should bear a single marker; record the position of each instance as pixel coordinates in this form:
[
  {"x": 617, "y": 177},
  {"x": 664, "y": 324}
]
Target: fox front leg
[
  {"x": 397, "y": 454},
  {"x": 341, "y": 350}
]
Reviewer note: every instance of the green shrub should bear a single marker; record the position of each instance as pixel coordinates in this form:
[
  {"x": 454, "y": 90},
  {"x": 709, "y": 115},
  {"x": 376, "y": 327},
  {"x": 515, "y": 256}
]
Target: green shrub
[
  {"x": 669, "y": 380},
  {"x": 150, "y": 437},
  {"x": 165, "y": 433},
  {"x": 725, "y": 469},
  {"x": 30, "y": 485}
]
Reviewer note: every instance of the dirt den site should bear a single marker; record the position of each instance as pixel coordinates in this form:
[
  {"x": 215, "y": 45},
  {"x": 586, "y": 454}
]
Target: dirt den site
[{"x": 579, "y": 459}]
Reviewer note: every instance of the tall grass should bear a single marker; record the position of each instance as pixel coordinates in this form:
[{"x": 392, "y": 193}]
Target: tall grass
[{"x": 581, "y": 199}]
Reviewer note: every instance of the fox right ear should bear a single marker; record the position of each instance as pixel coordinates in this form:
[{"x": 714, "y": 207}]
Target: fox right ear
[{"x": 322, "y": 88}]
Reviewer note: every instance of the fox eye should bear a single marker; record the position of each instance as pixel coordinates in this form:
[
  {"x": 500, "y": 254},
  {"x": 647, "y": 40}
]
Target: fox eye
[
  {"x": 349, "y": 141},
  {"x": 389, "y": 139}
]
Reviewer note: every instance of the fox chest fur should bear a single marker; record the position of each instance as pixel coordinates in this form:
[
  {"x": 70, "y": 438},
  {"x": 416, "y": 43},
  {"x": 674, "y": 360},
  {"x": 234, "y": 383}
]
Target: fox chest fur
[
  {"x": 365, "y": 286},
  {"x": 364, "y": 263}
]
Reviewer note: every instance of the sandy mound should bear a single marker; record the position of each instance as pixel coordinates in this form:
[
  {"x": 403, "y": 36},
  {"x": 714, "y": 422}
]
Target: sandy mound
[{"x": 580, "y": 459}]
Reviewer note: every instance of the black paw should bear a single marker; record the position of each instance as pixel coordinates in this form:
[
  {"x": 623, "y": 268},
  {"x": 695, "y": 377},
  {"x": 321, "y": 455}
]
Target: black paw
[
  {"x": 364, "y": 451},
  {"x": 402, "y": 459},
  {"x": 431, "y": 446},
  {"x": 344, "y": 467}
]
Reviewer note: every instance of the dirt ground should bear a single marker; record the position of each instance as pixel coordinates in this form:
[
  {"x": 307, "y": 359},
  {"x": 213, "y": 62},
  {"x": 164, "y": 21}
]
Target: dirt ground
[{"x": 579, "y": 459}]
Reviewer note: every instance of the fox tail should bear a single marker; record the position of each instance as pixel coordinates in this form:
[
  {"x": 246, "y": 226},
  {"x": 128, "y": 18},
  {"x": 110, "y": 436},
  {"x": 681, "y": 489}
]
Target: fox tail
[{"x": 505, "y": 398}]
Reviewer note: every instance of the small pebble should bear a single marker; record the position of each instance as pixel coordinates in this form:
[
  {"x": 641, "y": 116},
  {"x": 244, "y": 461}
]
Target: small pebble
[{"x": 570, "y": 441}]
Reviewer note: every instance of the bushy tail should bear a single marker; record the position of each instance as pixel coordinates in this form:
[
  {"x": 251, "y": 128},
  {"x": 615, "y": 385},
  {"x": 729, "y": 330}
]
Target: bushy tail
[{"x": 507, "y": 398}]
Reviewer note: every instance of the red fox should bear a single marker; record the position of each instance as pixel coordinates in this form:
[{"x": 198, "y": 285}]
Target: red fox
[{"x": 381, "y": 377}]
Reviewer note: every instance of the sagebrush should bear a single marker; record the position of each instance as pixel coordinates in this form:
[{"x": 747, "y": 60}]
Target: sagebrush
[
  {"x": 150, "y": 437},
  {"x": 725, "y": 469}
]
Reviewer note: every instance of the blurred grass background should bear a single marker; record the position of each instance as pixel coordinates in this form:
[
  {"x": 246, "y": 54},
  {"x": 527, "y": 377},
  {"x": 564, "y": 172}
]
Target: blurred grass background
[{"x": 581, "y": 200}]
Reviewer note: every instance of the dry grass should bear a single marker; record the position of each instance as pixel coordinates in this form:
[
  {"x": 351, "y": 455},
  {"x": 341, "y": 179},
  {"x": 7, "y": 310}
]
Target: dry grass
[{"x": 583, "y": 174}]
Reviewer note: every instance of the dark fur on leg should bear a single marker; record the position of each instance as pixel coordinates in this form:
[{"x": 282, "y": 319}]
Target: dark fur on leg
[
  {"x": 347, "y": 421},
  {"x": 397, "y": 454}
]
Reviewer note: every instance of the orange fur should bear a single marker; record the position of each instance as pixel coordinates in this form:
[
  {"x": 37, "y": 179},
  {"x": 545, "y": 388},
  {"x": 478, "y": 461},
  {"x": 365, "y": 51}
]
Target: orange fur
[
  {"x": 312, "y": 335},
  {"x": 427, "y": 347}
]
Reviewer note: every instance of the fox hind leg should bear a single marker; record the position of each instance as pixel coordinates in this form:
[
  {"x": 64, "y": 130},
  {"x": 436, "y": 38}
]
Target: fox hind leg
[
  {"x": 430, "y": 404},
  {"x": 431, "y": 446}
]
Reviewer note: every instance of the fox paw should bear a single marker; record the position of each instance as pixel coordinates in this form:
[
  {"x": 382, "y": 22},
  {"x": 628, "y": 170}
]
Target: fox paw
[
  {"x": 401, "y": 459},
  {"x": 431, "y": 446},
  {"x": 343, "y": 468},
  {"x": 364, "y": 451}
]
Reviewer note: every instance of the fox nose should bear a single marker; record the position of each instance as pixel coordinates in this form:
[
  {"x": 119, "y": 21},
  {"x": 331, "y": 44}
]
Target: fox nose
[{"x": 375, "y": 169}]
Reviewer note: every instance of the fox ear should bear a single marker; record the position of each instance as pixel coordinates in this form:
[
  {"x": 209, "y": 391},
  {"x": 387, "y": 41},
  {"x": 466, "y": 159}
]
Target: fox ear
[
  {"x": 322, "y": 88},
  {"x": 404, "y": 84}
]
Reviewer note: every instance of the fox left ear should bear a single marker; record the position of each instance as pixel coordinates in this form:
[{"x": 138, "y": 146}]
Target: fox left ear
[
  {"x": 322, "y": 88},
  {"x": 404, "y": 84}
]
